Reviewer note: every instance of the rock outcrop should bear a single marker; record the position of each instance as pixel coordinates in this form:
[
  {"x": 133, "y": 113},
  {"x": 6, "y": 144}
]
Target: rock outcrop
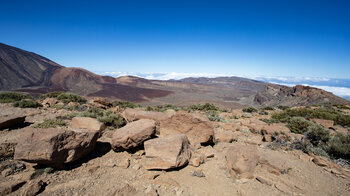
[
  {"x": 54, "y": 146},
  {"x": 133, "y": 134},
  {"x": 169, "y": 152},
  {"x": 197, "y": 130}
]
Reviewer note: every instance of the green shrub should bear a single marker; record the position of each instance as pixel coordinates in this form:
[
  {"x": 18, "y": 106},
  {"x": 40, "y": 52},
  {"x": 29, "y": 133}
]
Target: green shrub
[
  {"x": 339, "y": 146},
  {"x": 268, "y": 108},
  {"x": 107, "y": 117},
  {"x": 214, "y": 116},
  {"x": 298, "y": 125},
  {"x": 282, "y": 107},
  {"x": 250, "y": 110},
  {"x": 317, "y": 134},
  {"x": 204, "y": 107},
  {"x": 9, "y": 97},
  {"x": 51, "y": 95},
  {"x": 50, "y": 123},
  {"x": 308, "y": 113},
  {"x": 70, "y": 97},
  {"x": 26, "y": 104},
  {"x": 125, "y": 104},
  {"x": 162, "y": 108},
  {"x": 318, "y": 151}
]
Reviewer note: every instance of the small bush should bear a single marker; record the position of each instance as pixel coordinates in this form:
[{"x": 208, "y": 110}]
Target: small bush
[
  {"x": 214, "y": 116},
  {"x": 26, "y": 104},
  {"x": 250, "y": 110},
  {"x": 339, "y": 146},
  {"x": 70, "y": 97},
  {"x": 298, "y": 125},
  {"x": 125, "y": 104},
  {"x": 203, "y": 107},
  {"x": 9, "y": 97},
  {"x": 107, "y": 117},
  {"x": 51, "y": 95},
  {"x": 269, "y": 108},
  {"x": 51, "y": 123},
  {"x": 162, "y": 108},
  {"x": 111, "y": 119},
  {"x": 309, "y": 113},
  {"x": 317, "y": 134},
  {"x": 282, "y": 107}
]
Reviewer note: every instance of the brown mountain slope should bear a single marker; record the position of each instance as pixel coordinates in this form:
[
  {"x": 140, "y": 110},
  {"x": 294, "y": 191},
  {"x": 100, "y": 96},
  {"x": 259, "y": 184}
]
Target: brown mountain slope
[{"x": 20, "y": 68}]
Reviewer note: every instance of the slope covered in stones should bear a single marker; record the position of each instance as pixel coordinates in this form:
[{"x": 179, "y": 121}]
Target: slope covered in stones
[{"x": 120, "y": 148}]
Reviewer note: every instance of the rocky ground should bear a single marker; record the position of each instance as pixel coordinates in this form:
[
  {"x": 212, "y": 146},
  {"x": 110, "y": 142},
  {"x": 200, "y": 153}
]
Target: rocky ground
[{"x": 158, "y": 153}]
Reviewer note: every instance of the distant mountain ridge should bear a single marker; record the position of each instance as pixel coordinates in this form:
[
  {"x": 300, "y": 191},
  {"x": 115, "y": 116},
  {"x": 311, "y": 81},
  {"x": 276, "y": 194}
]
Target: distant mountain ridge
[{"x": 25, "y": 71}]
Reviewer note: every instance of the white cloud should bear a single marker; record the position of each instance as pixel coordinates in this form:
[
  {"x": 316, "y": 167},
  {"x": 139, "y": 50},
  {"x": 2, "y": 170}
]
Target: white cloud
[{"x": 163, "y": 76}]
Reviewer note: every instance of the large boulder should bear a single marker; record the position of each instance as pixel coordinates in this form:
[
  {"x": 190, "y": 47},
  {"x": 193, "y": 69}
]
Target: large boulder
[
  {"x": 11, "y": 121},
  {"x": 197, "y": 130},
  {"x": 168, "y": 152},
  {"x": 87, "y": 123},
  {"x": 242, "y": 160},
  {"x": 131, "y": 114},
  {"x": 54, "y": 146},
  {"x": 133, "y": 134}
]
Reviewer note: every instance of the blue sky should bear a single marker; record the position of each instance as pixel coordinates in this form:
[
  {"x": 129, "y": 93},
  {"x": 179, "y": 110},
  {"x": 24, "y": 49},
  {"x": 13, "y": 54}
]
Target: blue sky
[{"x": 245, "y": 38}]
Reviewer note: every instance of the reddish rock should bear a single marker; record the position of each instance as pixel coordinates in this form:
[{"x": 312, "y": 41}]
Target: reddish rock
[
  {"x": 87, "y": 123},
  {"x": 133, "y": 134},
  {"x": 197, "y": 130},
  {"x": 135, "y": 114},
  {"x": 168, "y": 152},
  {"x": 54, "y": 146}
]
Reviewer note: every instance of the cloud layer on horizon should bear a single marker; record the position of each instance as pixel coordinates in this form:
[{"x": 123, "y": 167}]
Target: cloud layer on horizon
[{"x": 339, "y": 87}]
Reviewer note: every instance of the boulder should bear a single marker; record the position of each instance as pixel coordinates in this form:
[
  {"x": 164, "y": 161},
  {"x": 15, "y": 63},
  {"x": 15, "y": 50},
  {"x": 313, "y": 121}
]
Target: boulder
[
  {"x": 54, "y": 146},
  {"x": 197, "y": 130},
  {"x": 87, "y": 123},
  {"x": 131, "y": 114},
  {"x": 171, "y": 151},
  {"x": 325, "y": 123},
  {"x": 133, "y": 134},
  {"x": 11, "y": 121},
  {"x": 242, "y": 160},
  {"x": 224, "y": 136}
]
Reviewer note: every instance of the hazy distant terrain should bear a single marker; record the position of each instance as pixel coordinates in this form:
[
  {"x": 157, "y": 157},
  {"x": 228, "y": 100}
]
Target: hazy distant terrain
[{"x": 28, "y": 72}]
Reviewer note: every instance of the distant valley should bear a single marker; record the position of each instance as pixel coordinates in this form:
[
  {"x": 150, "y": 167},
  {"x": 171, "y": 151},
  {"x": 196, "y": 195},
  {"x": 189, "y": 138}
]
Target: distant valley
[{"x": 25, "y": 71}]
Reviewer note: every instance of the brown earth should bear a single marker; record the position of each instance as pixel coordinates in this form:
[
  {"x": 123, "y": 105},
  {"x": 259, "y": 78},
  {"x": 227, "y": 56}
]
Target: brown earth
[{"x": 226, "y": 168}]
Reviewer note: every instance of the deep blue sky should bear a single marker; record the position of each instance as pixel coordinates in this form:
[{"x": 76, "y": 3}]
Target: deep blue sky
[{"x": 281, "y": 37}]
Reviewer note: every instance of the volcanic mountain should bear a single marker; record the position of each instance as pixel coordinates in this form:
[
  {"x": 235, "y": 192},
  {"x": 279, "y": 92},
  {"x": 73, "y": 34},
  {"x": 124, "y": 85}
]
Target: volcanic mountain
[{"x": 25, "y": 71}]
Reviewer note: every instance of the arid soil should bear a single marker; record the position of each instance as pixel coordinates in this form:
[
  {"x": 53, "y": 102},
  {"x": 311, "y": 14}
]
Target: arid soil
[{"x": 232, "y": 157}]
